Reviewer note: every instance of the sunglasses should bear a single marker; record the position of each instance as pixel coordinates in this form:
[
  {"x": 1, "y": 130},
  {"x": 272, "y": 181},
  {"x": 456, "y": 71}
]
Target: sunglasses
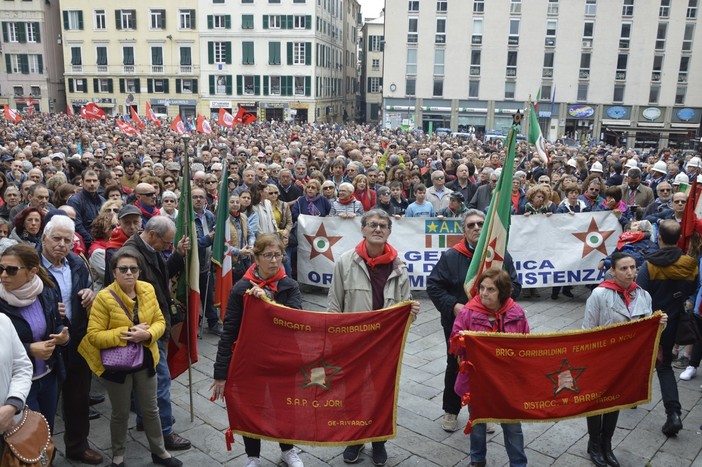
[
  {"x": 126, "y": 269},
  {"x": 327, "y": 188},
  {"x": 115, "y": 210},
  {"x": 664, "y": 190},
  {"x": 151, "y": 193},
  {"x": 169, "y": 201},
  {"x": 472, "y": 225},
  {"x": 10, "y": 270}
]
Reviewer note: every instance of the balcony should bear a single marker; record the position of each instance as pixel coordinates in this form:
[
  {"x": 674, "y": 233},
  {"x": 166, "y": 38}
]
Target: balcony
[
  {"x": 547, "y": 73},
  {"x": 186, "y": 69},
  {"x": 656, "y": 76},
  {"x": 682, "y": 77},
  {"x": 156, "y": 68},
  {"x": 511, "y": 72},
  {"x": 129, "y": 68},
  {"x": 102, "y": 68},
  {"x": 77, "y": 68},
  {"x": 584, "y": 74},
  {"x": 475, "y": 71},
  {"x": 620, "y": 75}
]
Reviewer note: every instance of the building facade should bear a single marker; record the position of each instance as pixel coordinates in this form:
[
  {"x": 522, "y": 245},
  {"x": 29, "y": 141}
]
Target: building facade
[
  {"x": 31, "y": 38},
  {"x": 372, "y": 69},
  {"x": 352, "y": 36},
  {"x": 617, "y": 71}
]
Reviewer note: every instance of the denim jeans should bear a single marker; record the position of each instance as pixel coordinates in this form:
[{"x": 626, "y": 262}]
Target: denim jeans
[
  {"x": 664, "y": 369},
  {"x": 163, "y": 392},
  {"x": 43, "y": 397},
  {"x": 514, "y": 443},
  {"x": 207, "y": 298}
]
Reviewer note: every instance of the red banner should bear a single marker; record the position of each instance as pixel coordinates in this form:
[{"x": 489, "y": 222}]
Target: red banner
[
  {"x": 306, "y": 377},
  {"x": 517, "y": 377}
]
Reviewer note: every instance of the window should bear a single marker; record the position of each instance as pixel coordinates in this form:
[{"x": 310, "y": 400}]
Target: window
[
  {"x": 660, "y": 36},
  {"x": 509, "y": 89},
  {"x": 157, "y": 59},
  {"x": 588, "y": 28},
  {"x": 513, "y": 31},
  {"x": 618, "y": 93},
  {"x": 104, "y": 85},
  {"x": 546, "y": 88},
  {"x": 274, "y": 53},
  {"x": 298, "y": 53},
  {"x": 275, "y": 85},
  {"x": 439, "y": 58},
  {"x": 680, "y": 94},
  {"x": 548, "y": 65},
  {"x": 223, "y": 21},
  {"x": 374, "y": 84},
  {"x": 411, "y": 61},
  {"x": 14, "y": 64},
  {"x": 35, "y": 91},
  {"x": 590, "y": 7},
  {"x": 440, "y": 31},
  {"x": 101, "y": 53},
  {"x": 622, "y": 60},
  {"x": 511, "y": 64},
  {"x": 477, "y": 37},
  {"x": 157, "y": 19},
  {"x": 187, "y": 86},
  {"x": 375, "y": 64},
  {"x": 130, "y": 85},
  {"x": 186, "y": 19},
  {"x": 585, "y": 65},
  {"x": 582, "y": 92},
  {"x": 220, "y": 51},
  {"x": 76, "y": 56},
  {"x": 473, "y": 88},
  {"x": 128, "y": 57},
  {"x": 81, "y": 85},
  {"x": 186, "y": 60},
  {"x": 274, "y": 21},
  {"x": 413, "y": 5},
  {"x": 18, "y": 91},
  {"x": 442, "y": 6},
  {"x": 475, "y": 62},
  {"x": 687, "y": 37},
  {"x": 126, "y": 19},
  {"x": 410, "y": 86},
  {"x": 478, "y": 6},
  {"x": 300, "y": 22},
  {"x": 551, "y": 26},
  {"x": 515, "y": 7},
  {"x": 412, "y": 30},
  {"x": 552, "y": 8},
  {"x": 684, "y": 68},
  {"x": 221, "y": 87},
  {"x": 691, "y": 9},
  {"x": 664, "y": 9},
  {"x": 161, "y": 85},
  {"x": 438, "y": 90},
  {"x": 657, "y": 67},
  {"x": 247, "y": 22},
  {"x": 625, "y": 36},
  {"x": 375, "y": 43},
  {"x": 300, "y": 85},
  {"x": 628, "y": 8},
  {"x": 72, "y": 20},
  {"x": 100, "y": 20},
  {"x": 653, "y": 94},
  {"x": 12, "y": 35},
  {"x": 247, "y": 53}
]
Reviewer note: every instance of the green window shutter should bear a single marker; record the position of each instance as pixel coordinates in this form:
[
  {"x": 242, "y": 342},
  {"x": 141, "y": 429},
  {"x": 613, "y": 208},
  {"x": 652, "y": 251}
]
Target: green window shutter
[
  {"x": 308, "y": 22},
  {"x": 266, "y": 80},
  {"x": 229, "y": 85},
  {"x": 110, "y": 86},
  {"x": 122, "y": 86},
  {"x": 40, "y": 63},
  {"x": 162, "y": 20},
  {"x": 227, "y": 21},
  {"x": 137, "y": 85},
  {"x": 308, "y": 53},
  {"x": 8, "y": 64},
  {"x": 95, "y": 85},
  {"x": 257, "y": 85},
  {"x": 150, "y": 85},
  {"x": 290, "y": 21},
  {"x": 5, "y": 37},
  {"x": 290, "y": 53},
  {"x": 210, "y": 53},
  {"x": 85, "y": 85},
  {"x": 80, "y": 20},
  {"x": 37, "y": 32},
  {"x": 228, "y": 53},
  {"x": 265, "y": 22},
  {"x": 178, "y": 86},
  {"x": 24, "y": 63},
  {"x": 195, "y": 86},
  {"x": 210, "y": 22},
  {"x": 21, "y": 29},
  {"x": 212, "y": 85},
  {"x": 118, "y": 13},
  {"x": 308, "y": 86},
  {"x": 287, "y": 85},
  {"x": 70, "y": 85},
  {"x": 165, "y": 85},
  {"x": 193, "y": 20},
  {"x": 239, "y": 85},
  {"x": 382, "y": 43},
  {"x": 65, "y": 21}
]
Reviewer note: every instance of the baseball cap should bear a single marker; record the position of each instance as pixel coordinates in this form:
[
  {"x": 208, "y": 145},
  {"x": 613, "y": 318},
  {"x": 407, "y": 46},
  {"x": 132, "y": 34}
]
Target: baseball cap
[{"x": 128, "y": 210}]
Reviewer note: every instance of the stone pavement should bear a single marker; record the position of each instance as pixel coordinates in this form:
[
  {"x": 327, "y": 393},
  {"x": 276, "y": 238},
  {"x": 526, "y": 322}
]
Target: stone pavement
[{"x": 420, "y": 440}]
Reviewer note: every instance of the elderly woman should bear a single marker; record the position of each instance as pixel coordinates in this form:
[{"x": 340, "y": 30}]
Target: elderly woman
[
  {"x": 169, "y": 204},
  {"x": 346, "y": 205},
  {"x": 28, "y": 227},
  {"x": 492, "y": 310},
  {"x": 111, "y": 206},
  {"x": 282, "y": 216},
  {"x": 30, "y": 299},
  {"x": 617, "y": 300},
  {"x": 538, "y": 201},
  {"x": 127, "y": 313},
  {"x": 363, "y": 192},
  {"x": 312, "y": 203},
  {"x": 265, "y": 278},
  {"x": 329, "y": 190},
  {"x": 263, "y": 209}
]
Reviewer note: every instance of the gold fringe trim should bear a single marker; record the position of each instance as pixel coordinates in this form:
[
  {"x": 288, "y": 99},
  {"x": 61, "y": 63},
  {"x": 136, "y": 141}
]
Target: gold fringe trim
[{"x": 317, "y": 443}]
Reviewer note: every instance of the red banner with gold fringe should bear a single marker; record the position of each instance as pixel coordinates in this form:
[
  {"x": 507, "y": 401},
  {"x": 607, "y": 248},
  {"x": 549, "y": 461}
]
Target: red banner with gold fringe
[
  {"x": 517, "y": 377},
  {"x": 316, "y": 378}
]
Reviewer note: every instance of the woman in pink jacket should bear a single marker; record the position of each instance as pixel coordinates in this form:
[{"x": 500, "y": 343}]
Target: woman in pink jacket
[{"x": 492, "y": 310}]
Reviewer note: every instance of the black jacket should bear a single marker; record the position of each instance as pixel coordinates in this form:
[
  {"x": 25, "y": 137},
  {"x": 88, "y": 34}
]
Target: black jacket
[{"x": 87, "y": 207}]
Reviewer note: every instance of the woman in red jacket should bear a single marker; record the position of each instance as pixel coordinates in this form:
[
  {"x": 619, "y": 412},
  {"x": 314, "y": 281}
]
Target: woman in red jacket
[{"x": 363, "y": 193}]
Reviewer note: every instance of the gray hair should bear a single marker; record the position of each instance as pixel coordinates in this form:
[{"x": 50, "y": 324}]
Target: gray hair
[
  {"x": 634, "y": 172},
  {"x": 471, "y": 213},
  {"x": 6, "y": 243},
  {"x": 376, "y": 213},
  {"x": 169, "y": 194},
  {"x": 348, "y": 186},
  {"x": 60, "y": 222},
  {"x": 160, "y": 225}
]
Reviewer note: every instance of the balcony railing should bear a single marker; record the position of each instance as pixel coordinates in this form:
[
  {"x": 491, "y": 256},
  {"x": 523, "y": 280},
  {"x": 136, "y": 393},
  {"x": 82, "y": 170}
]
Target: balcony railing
[
  {"x": 157, "y": 68},
  {"x": 656, "y": 76},
  {"x": 547, "y": 73},
  {"x": 77, "y": 68},
  {"x": 511, "y": 72},
  {"x": 475, "y": 71},
  {"x": 584, "y": 74},
  {"x": 102, "y": 68},
  {"x": 186, "y": 69},
  {"x": 682, "y": 77},
  {"x": 476, "y": 40},
  {"x": 550, "y": 42},
  {"x": 129, "y": 68},
  {"x": 620, "y": 75}
]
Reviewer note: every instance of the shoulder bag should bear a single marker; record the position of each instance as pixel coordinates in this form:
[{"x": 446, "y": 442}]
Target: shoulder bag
[
  {"x": 29, "y": 443},
  {"x": 126, "y": 358}
]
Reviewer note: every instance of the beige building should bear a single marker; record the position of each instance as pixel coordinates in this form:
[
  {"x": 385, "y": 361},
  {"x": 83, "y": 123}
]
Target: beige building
[
  {"x": 352, "y": 27},
  {"x": 372, "y": 47},
  {"x": 33, "y": 64},
  {"x": 617, "y": 71},
  {"x": 128, "y": 53}
]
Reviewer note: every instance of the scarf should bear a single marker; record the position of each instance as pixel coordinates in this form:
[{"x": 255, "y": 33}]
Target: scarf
[
  {"x": 312, "y": 209},
  {"x": 29, "y": 238},
  {"x": 350, "y": 200},
  {"x": 498, "y": 325},
  {"x": 117, "y": 239},
  {"x": 147, "y": 212},
  {"x": 629, "y": 237},
  {"x": 463, "y": 249},
  {"x": 25, "y": 295},
  {"x": 268, "y": 285},
  {"x": 624, "y": 293},
  {"x": 388, "y": 256},
  {"x": 593, "y": 201},
  {"x": 97, "y": 244},
  {"x": 235, "y": 215}
]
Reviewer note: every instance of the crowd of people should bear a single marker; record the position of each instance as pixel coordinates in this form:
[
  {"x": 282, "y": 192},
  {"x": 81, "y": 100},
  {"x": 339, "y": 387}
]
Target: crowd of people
[{"x": 87, "y": 225}]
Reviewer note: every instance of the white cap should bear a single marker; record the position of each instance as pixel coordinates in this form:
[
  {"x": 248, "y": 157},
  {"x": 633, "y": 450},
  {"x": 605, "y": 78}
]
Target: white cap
[
  {"x": 661, "y": 167},
  {"x": 596, "y": 167},
  {"x": 572, "y": 163},
  {"x": 695, "y": 162},
  {"x": 631, "y": 163},
  {"x": 681, "y": 178}
]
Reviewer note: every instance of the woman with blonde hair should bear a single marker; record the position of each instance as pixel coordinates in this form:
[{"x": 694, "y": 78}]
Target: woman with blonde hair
[
  {"x": 282, "y": 216},
  {"x": 363, "y": 193},
  {"x": 111, "y": 205}
]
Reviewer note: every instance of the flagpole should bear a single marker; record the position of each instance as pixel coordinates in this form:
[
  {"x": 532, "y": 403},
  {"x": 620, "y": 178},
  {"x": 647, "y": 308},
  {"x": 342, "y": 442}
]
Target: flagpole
[
  {"x": 527, "y": 116},
  {"x": 187, "y": 233}
]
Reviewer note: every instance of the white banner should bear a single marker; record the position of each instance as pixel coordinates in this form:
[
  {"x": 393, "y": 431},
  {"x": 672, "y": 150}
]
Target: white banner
[{"x": 558, "y": 250}]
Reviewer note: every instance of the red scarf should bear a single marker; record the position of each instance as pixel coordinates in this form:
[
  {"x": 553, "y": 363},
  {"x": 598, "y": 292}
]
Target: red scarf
[
  {"x": 270, "y": 284},
  {"x": 388, "y": 256},
  {"x": 463, "y": 249},
  {"x": 629, "y": 237},
  {"x": 146, "y": 214},
  {"x": 498, "y": 324},
  {"x": 97, "y": 244},
  {"x": 350, "y": 200},
  {"x": 117, "y": 239},
  {"x": 625, "y": 293}
]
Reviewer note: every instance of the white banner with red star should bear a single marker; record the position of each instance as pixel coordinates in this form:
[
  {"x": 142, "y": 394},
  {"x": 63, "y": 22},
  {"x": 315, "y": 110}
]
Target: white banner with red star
[{"x": 562, "y": 249}]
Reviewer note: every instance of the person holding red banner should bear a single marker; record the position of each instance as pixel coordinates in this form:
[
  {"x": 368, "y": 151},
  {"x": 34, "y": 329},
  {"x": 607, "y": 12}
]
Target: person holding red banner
[
  {"x": 265, "y": 278},
  {"x": 617, "y": 300},
  {"x": 370, "y": 277},
  {"x": 492, "y": 310}
]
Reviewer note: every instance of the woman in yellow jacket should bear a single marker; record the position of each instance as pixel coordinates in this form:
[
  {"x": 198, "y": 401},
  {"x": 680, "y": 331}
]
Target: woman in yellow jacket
[{"x": 127, "y": 313}]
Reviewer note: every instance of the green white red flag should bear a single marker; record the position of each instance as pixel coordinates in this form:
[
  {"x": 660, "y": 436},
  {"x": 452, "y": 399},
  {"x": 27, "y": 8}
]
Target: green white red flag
[
  {"x": 221, "y": 254},
  {"x": 535, "y": 136}
]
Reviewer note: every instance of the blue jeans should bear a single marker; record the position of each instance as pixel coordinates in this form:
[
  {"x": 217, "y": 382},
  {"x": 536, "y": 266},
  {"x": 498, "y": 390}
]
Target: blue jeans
[
  {"x": 43, "y": 397},
  {"x": 514, "y": 443},
  {"x": 163, "y": 393},
  {"x": 207, "y": 298}
]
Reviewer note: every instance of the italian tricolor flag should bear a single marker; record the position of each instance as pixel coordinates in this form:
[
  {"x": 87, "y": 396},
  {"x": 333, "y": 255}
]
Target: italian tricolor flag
[{"x": 221, "y": 256}]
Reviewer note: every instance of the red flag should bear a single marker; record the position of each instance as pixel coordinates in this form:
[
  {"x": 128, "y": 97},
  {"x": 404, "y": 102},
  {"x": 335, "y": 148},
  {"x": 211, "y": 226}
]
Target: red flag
[
  {"x": 69, "y": 110},
  {"x": 91, "y": 111},
  {"x": 225, "y": 119},
  {"x": 203, "y": 125},
  {"x": 135, "y": 118},
  {"x": 151, "y": 115},
  {"x": 689, "y": 217},
  {"x": 126, "y": 128},
  {"x": 558, "y": 376},
  {"x": 178, "y": 126},
  {"x": 244, "y": 116},
  {"x": 30, "y": 106},
  {"x": 335, "y": 380},
  {"x": 11, "y": 115}
]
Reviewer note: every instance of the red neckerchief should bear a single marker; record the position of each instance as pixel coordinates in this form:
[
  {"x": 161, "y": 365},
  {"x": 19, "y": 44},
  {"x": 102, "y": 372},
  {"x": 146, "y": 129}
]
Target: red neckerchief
[
  {"x": 97, "y": 244},
  {"x": 348, "y": 201},
  {"x": 629, "y": 237},
  {"x": 625, "y": 293},
  {"x": 593, "y": 201},
  {"x": 388, "y": 256},
  {"x": 117, "y": 239},
  {"x": 463, "y": 249},
  {"x": 146, "y": 213},
  {"x": 236, "y": 214},
  {"x": 270, "y": 284},
  {"x": 498, "y": 325}
]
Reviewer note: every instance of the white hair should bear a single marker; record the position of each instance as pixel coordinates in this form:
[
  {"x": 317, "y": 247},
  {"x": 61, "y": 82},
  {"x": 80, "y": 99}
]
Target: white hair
[{"x": 61, "y": 222}]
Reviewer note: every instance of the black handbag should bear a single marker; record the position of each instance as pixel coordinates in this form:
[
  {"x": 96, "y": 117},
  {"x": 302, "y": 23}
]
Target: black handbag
[{"x": 688, "y": 331}]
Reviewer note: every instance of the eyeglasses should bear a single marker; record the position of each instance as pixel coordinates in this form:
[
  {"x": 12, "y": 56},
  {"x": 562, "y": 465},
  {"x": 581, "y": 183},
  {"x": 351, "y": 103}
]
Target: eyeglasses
[
  {"x": 327, "y": 188},
  {"x": 151, "y": 194},
  {"x": 168, "y": 182},
  {"x": 126, "y": 269},
  {"x": 438, "y": 178},
  {"x": 375, "y": 225},
  {"x": 472, "y": 225},
  {"x": 270, "y": 256},
  {"x": 273, "y": 193},
  {"x": 115, "y": 210},
  {"x": 385, "y": 193},
  {"x": 209, "y": 182},
  {"x": 663, "y": 190},
  {"x": 169, "y": 201},
  {"x": 10, "y": 270}
]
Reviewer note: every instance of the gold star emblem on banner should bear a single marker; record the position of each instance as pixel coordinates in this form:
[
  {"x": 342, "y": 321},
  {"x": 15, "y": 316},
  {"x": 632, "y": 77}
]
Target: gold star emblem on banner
[
  {"x": 565, "y": 378},
  {"x": 319, "y": 374}
]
